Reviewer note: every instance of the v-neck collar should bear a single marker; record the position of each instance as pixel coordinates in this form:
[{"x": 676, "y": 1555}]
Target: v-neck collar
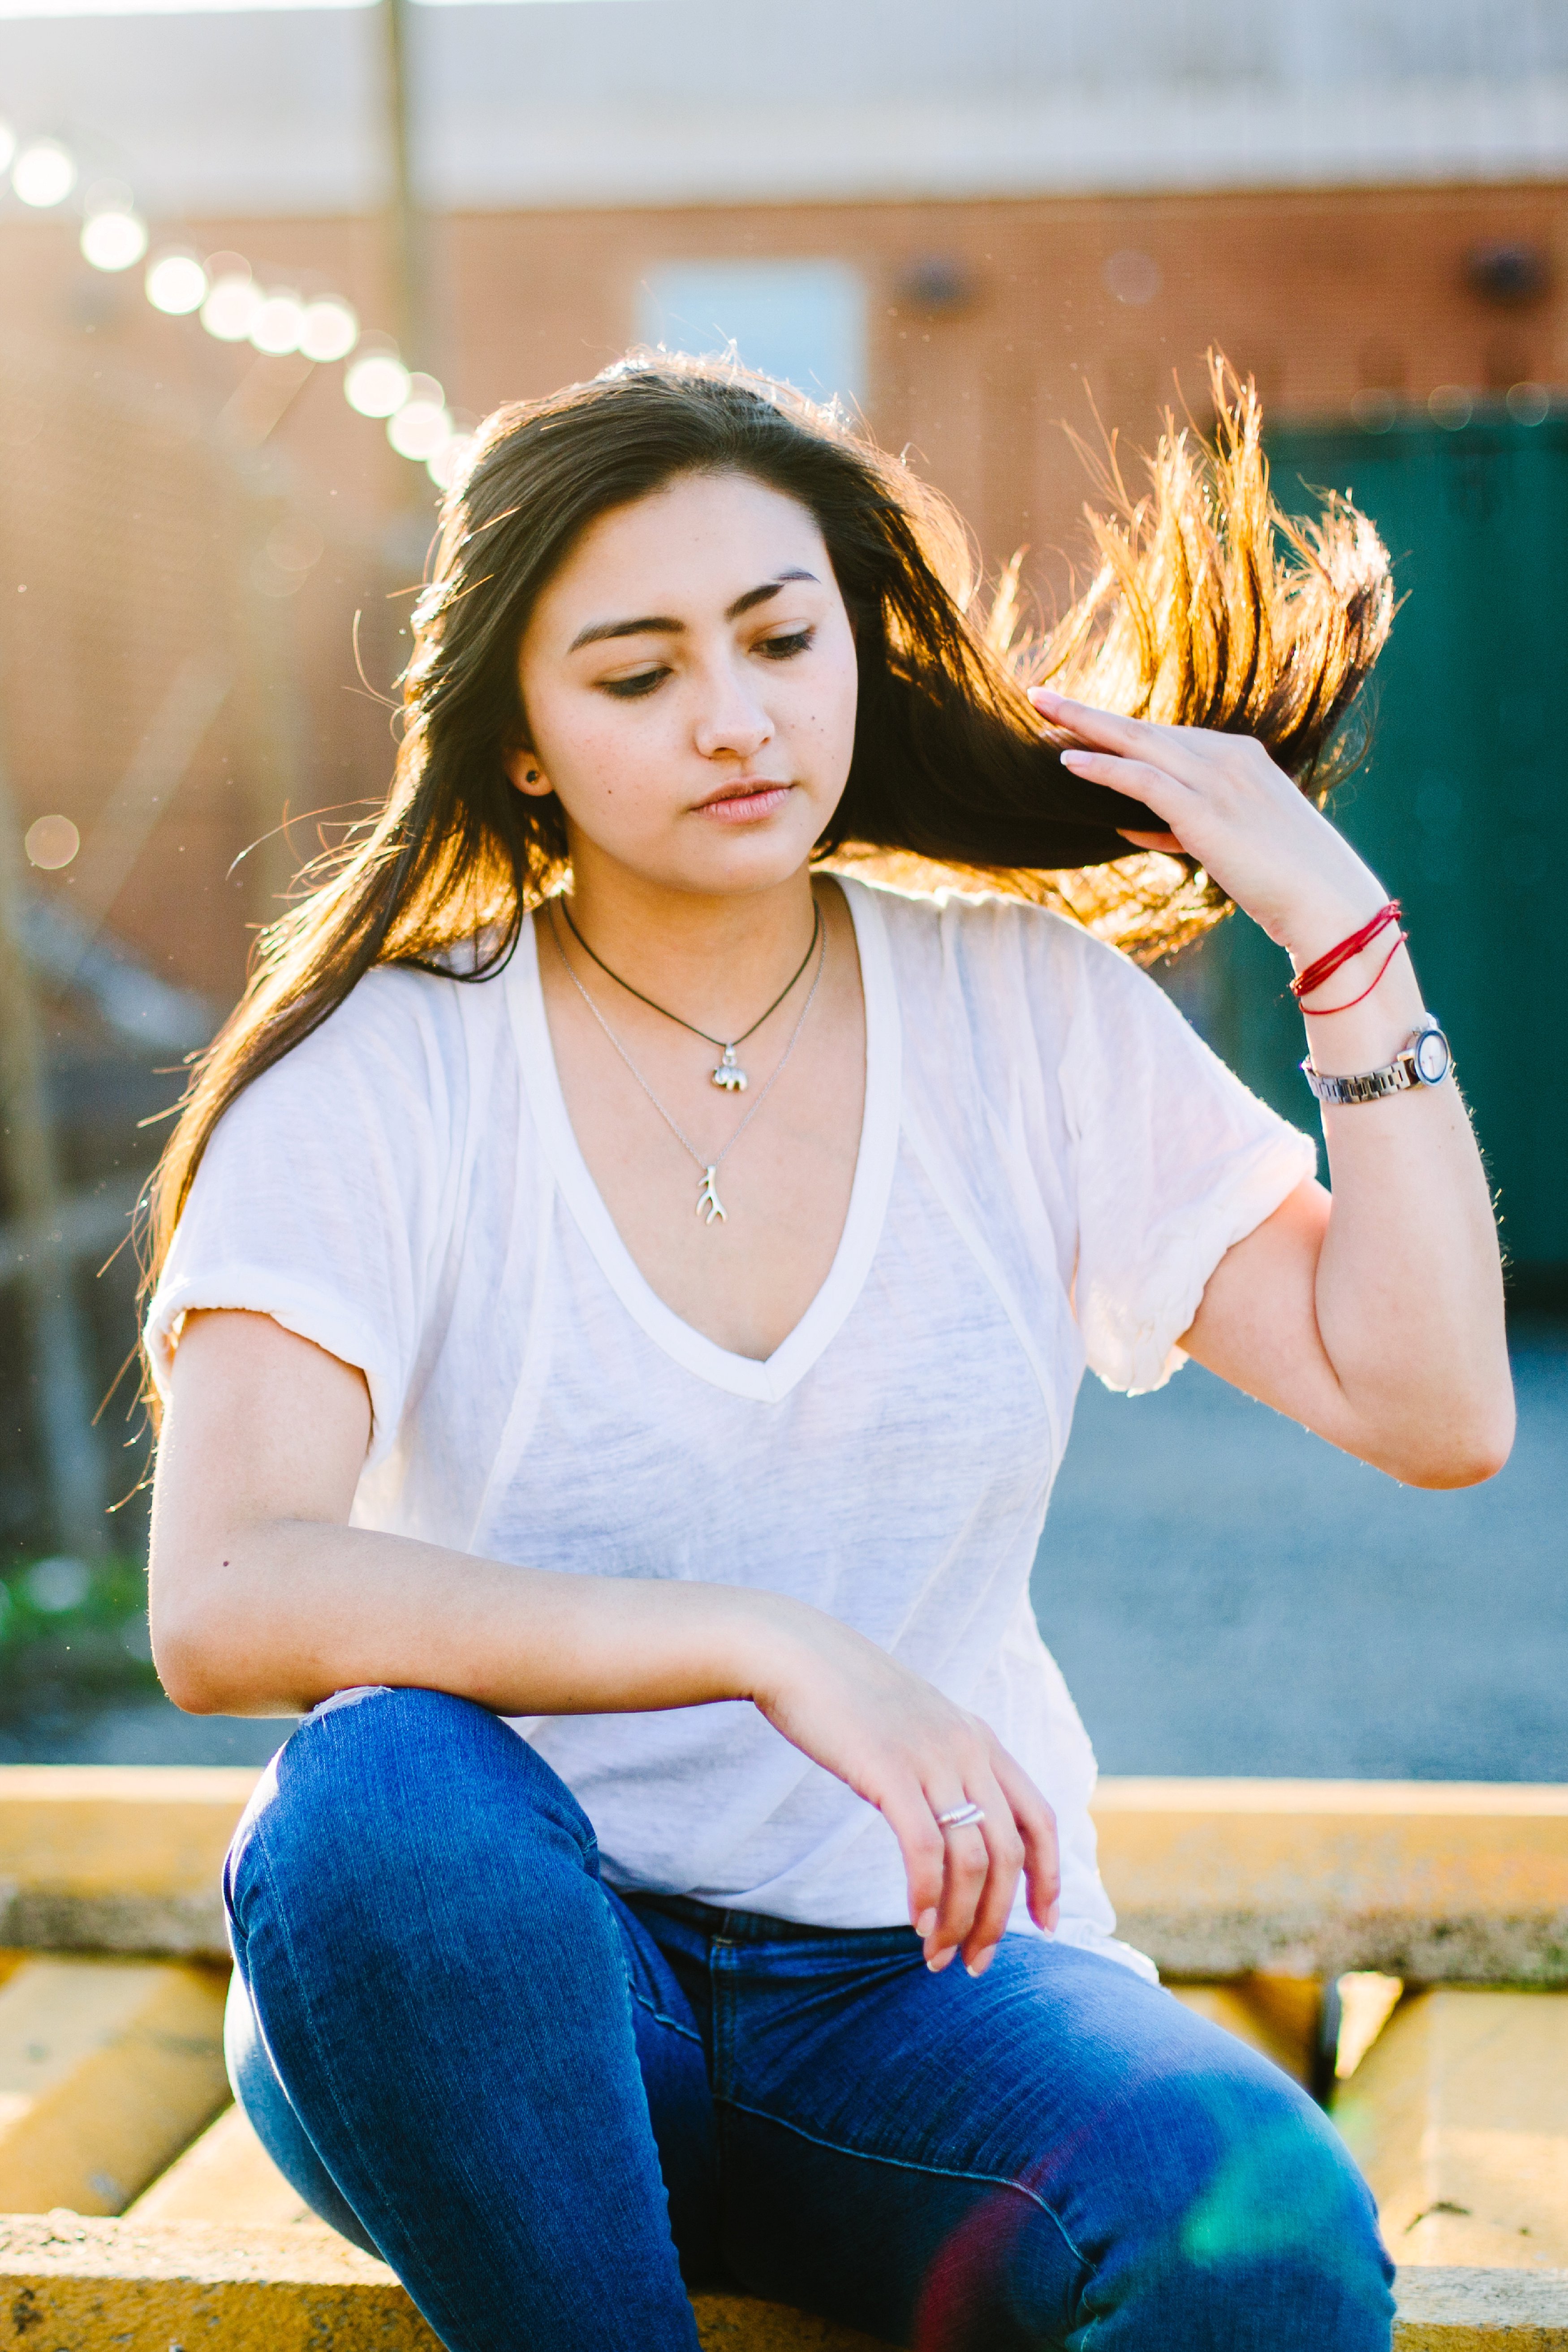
[{"x": 769, "y": 1379}]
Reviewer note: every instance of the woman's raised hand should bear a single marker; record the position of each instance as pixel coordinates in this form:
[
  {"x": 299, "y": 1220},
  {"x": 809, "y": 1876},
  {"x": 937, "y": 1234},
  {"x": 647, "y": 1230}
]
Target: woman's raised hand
[
  {"x": 914, "y": 1754},
  {"x": 1227, "y": 806}
]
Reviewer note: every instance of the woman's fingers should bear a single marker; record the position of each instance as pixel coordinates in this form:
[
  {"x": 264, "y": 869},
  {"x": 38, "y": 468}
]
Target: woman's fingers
[
  {"x": 1188, "y": 750},
  {"x": 1005, "y": 1860},
  {"x": 910, "y": 1817},
  {"x": 1037, "y": 1828},
  {"x": 1165, "y": 841},
  {"x": 965, "y": 1877},
  {"x": 1140, "y": 779}
]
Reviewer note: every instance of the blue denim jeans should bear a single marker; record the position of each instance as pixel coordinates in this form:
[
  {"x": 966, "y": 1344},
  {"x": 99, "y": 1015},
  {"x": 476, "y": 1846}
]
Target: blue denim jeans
[{"x": 551, "y": 2109}]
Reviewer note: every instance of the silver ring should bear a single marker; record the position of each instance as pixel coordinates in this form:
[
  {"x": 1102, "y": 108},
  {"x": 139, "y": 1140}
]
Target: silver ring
[{"x": 963, "y": 1817}]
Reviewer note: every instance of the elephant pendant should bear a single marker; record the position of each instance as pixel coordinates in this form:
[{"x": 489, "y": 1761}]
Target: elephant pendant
[{"x": 729, "y": 1074}]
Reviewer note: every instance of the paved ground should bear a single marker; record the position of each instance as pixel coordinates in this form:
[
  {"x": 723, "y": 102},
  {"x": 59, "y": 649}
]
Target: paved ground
[{"x": 1228, "y": 1594}]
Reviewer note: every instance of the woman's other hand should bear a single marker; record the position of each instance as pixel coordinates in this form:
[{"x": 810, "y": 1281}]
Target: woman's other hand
[
  {"x": 1226, "y": 804},
  {"x": 914, "y": 1754}
]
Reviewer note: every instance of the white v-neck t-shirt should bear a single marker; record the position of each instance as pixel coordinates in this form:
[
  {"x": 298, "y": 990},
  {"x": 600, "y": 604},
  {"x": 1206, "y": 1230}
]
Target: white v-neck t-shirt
[{"x": 1051, "y": 1164}]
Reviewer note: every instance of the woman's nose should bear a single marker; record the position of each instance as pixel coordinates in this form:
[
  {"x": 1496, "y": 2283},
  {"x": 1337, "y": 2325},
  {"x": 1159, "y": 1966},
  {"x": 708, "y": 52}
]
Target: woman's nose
[{"x": 731, "y": 718}]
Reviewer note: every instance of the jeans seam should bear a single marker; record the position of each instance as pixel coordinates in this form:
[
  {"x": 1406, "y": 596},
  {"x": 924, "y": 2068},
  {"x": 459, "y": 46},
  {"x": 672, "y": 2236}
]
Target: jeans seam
[
  {"x": 655, "y": 2012},
  {"x": 903, "y": 2164}
]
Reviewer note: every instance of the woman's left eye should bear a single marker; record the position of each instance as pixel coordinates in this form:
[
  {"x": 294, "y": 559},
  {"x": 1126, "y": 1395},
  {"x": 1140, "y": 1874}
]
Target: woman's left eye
[{"x": 781, "y": 648}]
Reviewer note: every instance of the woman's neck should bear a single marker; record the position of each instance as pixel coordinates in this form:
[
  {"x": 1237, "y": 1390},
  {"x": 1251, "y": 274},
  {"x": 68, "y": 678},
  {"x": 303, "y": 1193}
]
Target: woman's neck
[{"x": 711, "y": 957}]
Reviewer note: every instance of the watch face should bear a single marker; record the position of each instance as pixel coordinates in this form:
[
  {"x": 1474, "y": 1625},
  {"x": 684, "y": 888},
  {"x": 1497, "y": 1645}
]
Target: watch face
[{"x": 1432, "y": 1057}]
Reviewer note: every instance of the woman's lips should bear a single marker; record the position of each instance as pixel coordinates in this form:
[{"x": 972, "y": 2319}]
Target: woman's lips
[{"x": 743, "y": 803}]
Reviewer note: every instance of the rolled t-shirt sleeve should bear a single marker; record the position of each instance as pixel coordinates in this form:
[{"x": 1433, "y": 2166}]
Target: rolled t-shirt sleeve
[
  {"x": 317, "y": 1200},
  {"x": 1176, "y": 1160}
]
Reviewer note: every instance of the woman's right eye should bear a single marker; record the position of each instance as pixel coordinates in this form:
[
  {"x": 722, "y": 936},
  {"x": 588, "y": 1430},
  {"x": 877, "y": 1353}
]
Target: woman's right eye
[{"x": 641, "y": 682}]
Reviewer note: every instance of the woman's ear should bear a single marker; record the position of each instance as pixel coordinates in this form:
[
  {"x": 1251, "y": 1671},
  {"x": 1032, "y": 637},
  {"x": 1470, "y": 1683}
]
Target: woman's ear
[{"x": 526, "y": 774}]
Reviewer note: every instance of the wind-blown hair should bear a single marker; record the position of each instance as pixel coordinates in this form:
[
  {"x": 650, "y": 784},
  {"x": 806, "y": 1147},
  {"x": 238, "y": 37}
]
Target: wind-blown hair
[{"x": 1209, "y": 609}]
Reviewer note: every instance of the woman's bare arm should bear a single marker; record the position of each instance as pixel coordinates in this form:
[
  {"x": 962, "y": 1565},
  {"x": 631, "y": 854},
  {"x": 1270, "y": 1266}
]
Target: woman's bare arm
[
  {"x": 1375, "y": 1316},
  {"x": 265, "y": 1600}
]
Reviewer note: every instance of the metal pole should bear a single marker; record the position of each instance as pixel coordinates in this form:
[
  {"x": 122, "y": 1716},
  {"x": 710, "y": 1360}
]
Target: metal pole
[
  {"x": 73, "y": 1464},
  {"x": 406, "y": 225}
]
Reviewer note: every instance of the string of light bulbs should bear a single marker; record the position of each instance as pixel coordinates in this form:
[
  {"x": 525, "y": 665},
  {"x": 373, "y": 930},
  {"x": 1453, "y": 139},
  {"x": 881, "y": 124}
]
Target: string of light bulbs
[{"x": 234, "y": 306}]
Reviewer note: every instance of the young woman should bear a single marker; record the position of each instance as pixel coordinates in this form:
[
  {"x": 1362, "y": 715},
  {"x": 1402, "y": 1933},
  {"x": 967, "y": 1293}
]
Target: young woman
[{"x": 625, "y": 1286}]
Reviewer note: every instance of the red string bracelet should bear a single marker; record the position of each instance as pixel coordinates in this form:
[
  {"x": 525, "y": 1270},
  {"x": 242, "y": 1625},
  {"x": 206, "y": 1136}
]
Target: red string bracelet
[
  {"x": 1321, "y": 1011},
  {"x": 1327, "y": 965}
]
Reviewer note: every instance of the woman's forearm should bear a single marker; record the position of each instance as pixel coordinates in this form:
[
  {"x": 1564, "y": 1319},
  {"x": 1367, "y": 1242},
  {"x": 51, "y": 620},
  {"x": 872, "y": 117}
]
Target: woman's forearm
[
  {"x": 289, "y": 1612},
  {"x": 264, "y": 1599},
  {"x": 1408, "y": 1290}
]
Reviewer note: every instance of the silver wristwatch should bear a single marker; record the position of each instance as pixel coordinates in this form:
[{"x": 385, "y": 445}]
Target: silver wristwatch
[{"x": 1424, "y": 1060}]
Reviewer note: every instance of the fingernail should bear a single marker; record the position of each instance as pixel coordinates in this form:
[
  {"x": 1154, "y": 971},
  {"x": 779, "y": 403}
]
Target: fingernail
[
  {"x": 1074, "y": 758},
  {"x": 982, "y": 1961},
  {"x": 942, "y": 1960},
  {"x": 925, "y": 1922},
  {"x": 1052, "y": 1915}
]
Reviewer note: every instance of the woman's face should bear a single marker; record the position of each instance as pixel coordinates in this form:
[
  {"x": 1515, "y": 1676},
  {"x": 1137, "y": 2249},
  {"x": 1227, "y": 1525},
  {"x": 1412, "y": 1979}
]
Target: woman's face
[{"x": 689, "y": 684}]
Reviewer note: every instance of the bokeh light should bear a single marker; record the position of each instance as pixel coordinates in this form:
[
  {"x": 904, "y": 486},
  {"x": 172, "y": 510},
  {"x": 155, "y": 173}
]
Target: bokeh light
[
  {"x": 175, "y": 284},
  {"x": 278, "y": 322},
  {"x": 450, "y": 460},
  {"x": 295, "y": 545},
  {"x": 377, "y": 384},
  {"x": 1132, "y": 276},
  {"x": 329, "y": 331},
  {"x": 51, "y": 842},
  {"x": 114, "y": 239},
  {"x": 43, "y": 173},
  {"x": 230, "y": 308},
  {"x": 7, "y": 146},
  {"x": 419, "y": 429}
]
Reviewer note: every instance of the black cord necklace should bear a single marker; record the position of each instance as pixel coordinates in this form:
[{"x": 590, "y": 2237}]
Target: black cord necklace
[{"x": 729, "y": 1074}]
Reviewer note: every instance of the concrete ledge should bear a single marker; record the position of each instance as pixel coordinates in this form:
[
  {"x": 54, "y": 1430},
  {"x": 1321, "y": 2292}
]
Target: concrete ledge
[
  {"x": 1458, "y": 2117},
  {"x": 1453, "y": 1882},
  {"x": 117, "y": 1858},
  {"x": 1435, "y": 1882},
  {"x": 72, "y": 2285},
  {"x": 1482, "y": 2311},
  {"x": 108, "y": 2069},
  {"x": 68, "y": 2284}
]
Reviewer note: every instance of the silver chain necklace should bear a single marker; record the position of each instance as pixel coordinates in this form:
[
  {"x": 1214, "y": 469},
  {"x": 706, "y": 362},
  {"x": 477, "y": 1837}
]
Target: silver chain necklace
[
  {"x": 706, "y": 1192},
  {"x": 729, "y": 1074}
]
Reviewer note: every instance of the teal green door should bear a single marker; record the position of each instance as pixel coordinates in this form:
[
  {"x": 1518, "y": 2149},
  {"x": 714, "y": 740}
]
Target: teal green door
[{"x": 1462, "y": 808}]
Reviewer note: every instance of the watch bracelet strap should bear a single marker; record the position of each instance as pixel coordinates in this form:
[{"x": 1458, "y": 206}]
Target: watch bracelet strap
[
  {"x": 1395, "y": 1077},
  {"x": 1364, "y": 1085}
]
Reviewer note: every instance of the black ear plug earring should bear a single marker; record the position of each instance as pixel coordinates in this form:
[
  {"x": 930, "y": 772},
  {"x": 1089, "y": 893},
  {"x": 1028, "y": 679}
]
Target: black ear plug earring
[{"x": 533, "y": 776}]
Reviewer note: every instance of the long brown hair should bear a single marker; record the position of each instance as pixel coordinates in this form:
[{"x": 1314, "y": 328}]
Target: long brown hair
[{"x": 1209, "y": 608}]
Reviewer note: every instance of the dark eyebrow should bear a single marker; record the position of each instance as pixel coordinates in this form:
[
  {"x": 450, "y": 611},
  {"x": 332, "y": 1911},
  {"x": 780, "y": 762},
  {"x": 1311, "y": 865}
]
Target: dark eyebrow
[
  {"x": 760, "y": 595},
  {"x": 660, "y": 623}
]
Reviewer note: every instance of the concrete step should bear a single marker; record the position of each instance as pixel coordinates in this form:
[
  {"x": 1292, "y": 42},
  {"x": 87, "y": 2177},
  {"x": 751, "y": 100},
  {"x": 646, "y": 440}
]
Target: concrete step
[
  {"x": 1458, "y": 2116},
  {"x": 226, "y": 2178},
  {"x": 1443, "y": 1882},
  {"x": 73, "y": 2285},
  {"x": 108, "y": 2069}
]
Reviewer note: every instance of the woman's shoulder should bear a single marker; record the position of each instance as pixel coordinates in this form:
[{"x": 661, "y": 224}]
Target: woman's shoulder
[
  {"x": 403, "y": 1041},
  {"x": 967, "y": 938}
]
